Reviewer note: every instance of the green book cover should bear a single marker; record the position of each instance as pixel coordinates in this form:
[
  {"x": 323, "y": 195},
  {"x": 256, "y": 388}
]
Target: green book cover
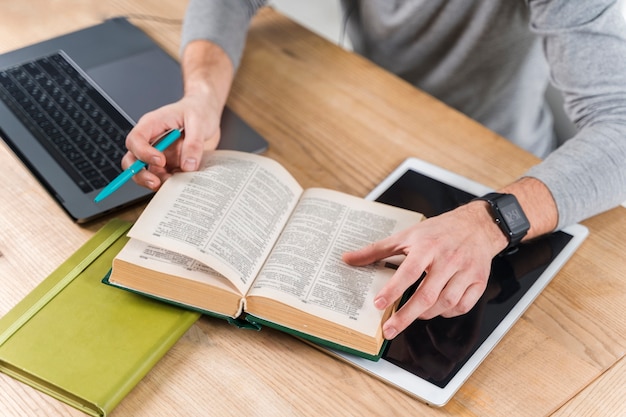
[
  {"x": 258, "y": 321},
  {"x": 67, "y": 336},
  {"x": 252, "y": 322}
]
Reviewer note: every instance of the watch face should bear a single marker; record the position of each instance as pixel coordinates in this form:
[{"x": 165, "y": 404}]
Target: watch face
[{"x": 513, "y": 215}]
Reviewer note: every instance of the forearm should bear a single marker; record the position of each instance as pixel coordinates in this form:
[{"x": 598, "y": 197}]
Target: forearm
[
  {"x": 222, "y": 22},
  {"x": 585, "y": 45},
  {"x": 207, "y": 71},
  {"x": 586, "y": 175}
]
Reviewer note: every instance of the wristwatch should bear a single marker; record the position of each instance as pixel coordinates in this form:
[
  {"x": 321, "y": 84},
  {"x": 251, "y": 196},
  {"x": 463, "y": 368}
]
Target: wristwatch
[{"x": 509, "y": 216}]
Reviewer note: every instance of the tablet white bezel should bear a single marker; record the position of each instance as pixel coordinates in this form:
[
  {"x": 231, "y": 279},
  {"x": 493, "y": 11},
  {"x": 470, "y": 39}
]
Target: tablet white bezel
[{"x": 414, "y": 385}]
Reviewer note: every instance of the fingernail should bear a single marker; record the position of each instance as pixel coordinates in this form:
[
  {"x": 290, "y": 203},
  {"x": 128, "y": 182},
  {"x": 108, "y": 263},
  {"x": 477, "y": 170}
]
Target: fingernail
[
  {"x": 150, "y": 184},
  {"x": 155, "y": 160},
  {"x": 380, "y": 303},
  {"x": 189, "y": 165},
  {"x": 389, "y": 332}
]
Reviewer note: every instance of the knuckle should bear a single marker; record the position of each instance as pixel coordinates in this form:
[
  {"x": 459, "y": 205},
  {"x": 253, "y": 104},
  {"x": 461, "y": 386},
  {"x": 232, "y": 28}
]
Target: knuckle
[
  {"x": 448, "y": 301},
  {"x": 464, "y": 306},
  {"x": 426, "y": 297}
]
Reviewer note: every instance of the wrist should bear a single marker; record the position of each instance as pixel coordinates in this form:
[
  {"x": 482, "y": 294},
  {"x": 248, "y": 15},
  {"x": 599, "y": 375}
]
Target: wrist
[
  {"x": 508, "y": 214},
  {"x": 480, "y": 211},
  {"x": 207, "y": 71},
  {"x": 538, "y": 204}
]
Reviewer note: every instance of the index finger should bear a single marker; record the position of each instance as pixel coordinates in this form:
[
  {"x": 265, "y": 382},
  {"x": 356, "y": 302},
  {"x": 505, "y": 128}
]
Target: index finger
[
  {"x": 375, "y": 251},
  {"x": 409, "y": 271}
]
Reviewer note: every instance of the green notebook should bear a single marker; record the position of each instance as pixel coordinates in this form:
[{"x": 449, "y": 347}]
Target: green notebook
[{"x": 83, "y": 342}]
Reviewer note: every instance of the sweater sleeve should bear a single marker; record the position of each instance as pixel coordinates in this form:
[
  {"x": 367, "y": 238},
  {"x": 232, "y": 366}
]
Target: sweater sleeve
[
  {"x": 223, "y": 22},
  {"x": 585, "y": 46}
]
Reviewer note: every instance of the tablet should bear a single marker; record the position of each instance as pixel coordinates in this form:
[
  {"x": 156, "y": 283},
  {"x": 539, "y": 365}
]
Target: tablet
[{"x": 431, "y": 359}]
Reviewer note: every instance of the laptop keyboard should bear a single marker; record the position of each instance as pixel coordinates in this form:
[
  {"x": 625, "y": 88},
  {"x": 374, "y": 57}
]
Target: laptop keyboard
[{"x": 71, "y": 119}]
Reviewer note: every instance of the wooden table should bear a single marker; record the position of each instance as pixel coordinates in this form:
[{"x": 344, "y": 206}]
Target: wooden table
[{"x": 334, "y": 120}]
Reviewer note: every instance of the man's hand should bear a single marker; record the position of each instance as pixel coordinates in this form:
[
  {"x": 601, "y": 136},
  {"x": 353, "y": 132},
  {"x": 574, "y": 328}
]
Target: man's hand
[
  {"x": 201, "y": 123},
  {"x": 207, "y": 76},
  {"x": 455, "y": 250}
]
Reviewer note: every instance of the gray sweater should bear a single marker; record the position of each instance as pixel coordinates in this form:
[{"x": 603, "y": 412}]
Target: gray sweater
[{"x": 492, "y": 60}]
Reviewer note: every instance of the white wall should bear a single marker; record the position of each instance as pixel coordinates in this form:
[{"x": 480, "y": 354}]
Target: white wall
[{"x": 320, "y": 16}]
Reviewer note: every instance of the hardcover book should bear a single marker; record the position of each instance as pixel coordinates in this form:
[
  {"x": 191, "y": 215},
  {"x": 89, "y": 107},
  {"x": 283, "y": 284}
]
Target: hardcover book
[{"x": 241, "y": 239}]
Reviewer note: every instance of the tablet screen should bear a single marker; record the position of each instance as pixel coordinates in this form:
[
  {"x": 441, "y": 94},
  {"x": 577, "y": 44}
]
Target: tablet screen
[{"x": 436, "y": 349}]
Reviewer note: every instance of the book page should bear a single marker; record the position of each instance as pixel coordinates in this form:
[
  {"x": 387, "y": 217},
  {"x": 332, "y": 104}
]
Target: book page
[
  {"x": 227, "y": 215},
  {"x": 305, "y": 269},
  {"x": 167, "y": 262}
]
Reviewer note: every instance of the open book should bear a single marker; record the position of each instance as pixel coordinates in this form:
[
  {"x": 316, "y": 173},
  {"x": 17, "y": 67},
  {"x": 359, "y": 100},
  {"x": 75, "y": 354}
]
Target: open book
[{"x": 240, "y": 238}]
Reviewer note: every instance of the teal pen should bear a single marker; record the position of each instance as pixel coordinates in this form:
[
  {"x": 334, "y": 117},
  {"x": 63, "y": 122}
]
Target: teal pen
[{"x": 137, "y": 166}]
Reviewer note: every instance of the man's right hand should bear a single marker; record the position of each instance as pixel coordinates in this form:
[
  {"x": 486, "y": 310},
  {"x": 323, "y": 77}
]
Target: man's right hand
[{"x": 207, "y": 76}]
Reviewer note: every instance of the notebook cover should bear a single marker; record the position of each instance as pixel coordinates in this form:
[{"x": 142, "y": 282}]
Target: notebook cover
[{"x": 85, "y": 343}]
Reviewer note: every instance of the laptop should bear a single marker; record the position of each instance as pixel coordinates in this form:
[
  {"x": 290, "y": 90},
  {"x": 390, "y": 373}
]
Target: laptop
[
  {"x": 67, "y": 104},
  {"x": 432, "y": 359}
]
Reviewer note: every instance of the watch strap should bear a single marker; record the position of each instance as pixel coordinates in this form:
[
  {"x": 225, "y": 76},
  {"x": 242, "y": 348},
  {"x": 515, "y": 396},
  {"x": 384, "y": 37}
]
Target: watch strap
[{"x": 514, "y": 234}]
